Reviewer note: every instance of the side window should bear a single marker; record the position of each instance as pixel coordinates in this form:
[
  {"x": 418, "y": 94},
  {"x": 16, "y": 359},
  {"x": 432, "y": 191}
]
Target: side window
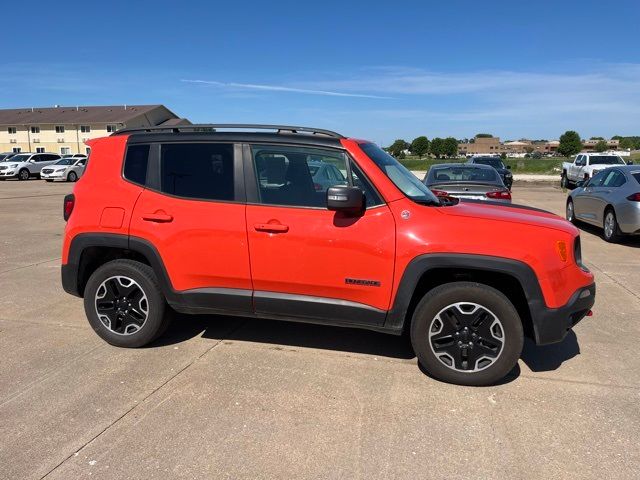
[
  {"x": 580, "y": 161},
  {"x": 135, "y": 164},
  {"x": 297, "y": 176},
  {"x": 359, "y": 180},
  {"x": 614, "y": 179},
  {"x": 597, "y": 179},
  {"x": 197, "y": 170}
]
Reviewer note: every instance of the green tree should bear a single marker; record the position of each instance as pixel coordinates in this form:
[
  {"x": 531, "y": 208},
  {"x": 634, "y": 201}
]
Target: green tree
[
  {"x": 627, "y": 142},
  {"x": 398, "y": 147},
  {"x": 529, "y": 149},
  {"x": 596, "y": 138},
  {"x": 570, "y": 143},
  {"x": 450, "y": 147},
  {"x": 437, "y": 147},
  {"x": 601, "y": 146},
  {"x": 420, "y": 146},
  {"x": 536, "y": 154},
  {"x": 503, "y": 156},
  {"x": 484, "y": 135}
]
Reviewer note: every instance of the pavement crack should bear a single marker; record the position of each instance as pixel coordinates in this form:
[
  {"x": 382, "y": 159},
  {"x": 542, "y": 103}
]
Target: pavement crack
[
  {"x": 31, "y": 265},
  {"x": 141, "y": 402},
  {"x": 626, "y": 289}
]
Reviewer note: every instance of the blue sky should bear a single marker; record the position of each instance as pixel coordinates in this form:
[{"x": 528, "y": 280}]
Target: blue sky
[{"x": 377, "y": 70}]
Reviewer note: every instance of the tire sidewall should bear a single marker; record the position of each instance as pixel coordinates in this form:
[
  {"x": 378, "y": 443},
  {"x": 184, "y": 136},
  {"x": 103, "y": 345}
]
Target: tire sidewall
[
  {"x": 573, "y": 210},
  {"x": 614, "y": 235},
  {"x": 145, "y": 277},
  {"x": 444, "y": 295},
  {"x": 21, "y": 172},
  {"x": 72, "y": 177}
]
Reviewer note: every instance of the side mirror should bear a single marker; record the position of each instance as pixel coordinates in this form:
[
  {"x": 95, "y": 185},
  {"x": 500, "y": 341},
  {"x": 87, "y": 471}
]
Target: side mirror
[
  {"x": 31, "y": 161},
  {"x": 508, "y": 167},
  {"x": 345, "y": 199},
  {"x": 629, "y": 162},
  {"x": 580, "y": 184}
]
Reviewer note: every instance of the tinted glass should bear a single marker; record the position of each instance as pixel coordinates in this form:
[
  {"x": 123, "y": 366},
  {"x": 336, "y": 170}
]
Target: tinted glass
[
  {"x": 605, "y": 160},
  {"x": 19, "y": 158},
  {"x": 359, "y": 180},
  {"x": 402, "y": 178},
  {"x": 296, "y": 176},
  {"x": 64, "y": 161},
  {"x": 614, "y": 179},
  {"x": 197, "y": 170},
  {"x": 598, "y": 178},
  {"x": 492, "y": 162},
  {"x": 443, "y": 173},
  {"x": 135, "y": 165},
  {"x": 636, "y": 175}
]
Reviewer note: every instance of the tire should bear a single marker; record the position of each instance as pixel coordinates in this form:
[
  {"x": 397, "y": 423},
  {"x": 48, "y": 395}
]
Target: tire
[
  {"x": 570, "y": 212},
  {"x": 564, "y": 181},
  {"x": 47, "y": 180},
  {"x": 125, "y": 323},
  {"x": 492, "y": 340},
  {"x": 23, "y": 174},
  {"x": 610, "y": 228},
  {"x": 72, "y": 177}
]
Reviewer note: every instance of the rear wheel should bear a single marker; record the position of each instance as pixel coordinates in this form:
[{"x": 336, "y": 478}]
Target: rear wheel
[
  {"x": 467, "y": 333},
  {"x": 23, "y": 174},
  {"x": 570, "y": 211},
  {"x": 72, "y": 177},
  {"x": 611, "y": 230},
  {"x": 124, "y": 304}
]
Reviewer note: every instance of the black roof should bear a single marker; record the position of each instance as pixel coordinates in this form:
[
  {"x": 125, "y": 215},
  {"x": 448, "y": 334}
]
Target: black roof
[{"x": 234, "y": 133}]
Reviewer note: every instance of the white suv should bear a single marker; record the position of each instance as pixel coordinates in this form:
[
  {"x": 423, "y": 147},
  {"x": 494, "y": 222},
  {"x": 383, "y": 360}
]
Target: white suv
[{"x": 25, "y": 165}]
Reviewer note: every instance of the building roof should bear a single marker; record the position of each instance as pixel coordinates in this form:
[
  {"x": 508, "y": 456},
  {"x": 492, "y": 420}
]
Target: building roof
[
  {"x": 61, "y": 115},
  {"x": 517, "y": 143}
]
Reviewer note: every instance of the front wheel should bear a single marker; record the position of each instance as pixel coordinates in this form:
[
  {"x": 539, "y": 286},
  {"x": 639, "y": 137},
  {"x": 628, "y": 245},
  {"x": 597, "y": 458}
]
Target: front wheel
[
  {"x": 23, "y": 174},
  {"x": 467, "y": 333},
  {"x": 124, "y": 304},
  {"x": 564, "y": 181},
  {"x": 72, "y": 177}
]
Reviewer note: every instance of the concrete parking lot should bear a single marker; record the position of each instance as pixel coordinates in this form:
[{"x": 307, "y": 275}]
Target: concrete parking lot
[{"x": 222, "y": 397}]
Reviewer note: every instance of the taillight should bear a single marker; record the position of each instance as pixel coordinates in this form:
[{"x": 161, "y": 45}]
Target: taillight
[
  {"x": 69, "y": 203},
  {"x": 439, "y": 193},
  {"x": 500, "y": 194},
  {"x": 634, "y": 197}
]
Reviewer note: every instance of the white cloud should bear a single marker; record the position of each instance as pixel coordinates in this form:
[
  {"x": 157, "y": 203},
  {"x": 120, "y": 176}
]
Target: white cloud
[{"x": 280, "y": 88}]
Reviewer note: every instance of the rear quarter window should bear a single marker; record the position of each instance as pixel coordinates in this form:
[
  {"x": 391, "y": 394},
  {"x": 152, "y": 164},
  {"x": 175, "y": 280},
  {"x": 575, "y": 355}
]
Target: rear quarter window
[
  {"x": 135, "y": 164},
  {"x": 636, "y": 175}
]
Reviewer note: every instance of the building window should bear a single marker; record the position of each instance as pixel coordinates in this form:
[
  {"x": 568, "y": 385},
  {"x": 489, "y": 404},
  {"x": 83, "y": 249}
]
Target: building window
[
  {"x": 65, "y": 150},
  {"x": 11, "y": 130},
  {"x": 17, "y": 149},
  {"x": 35, "y": 129},
  {"x": 85, "y": 129},
  {"x": 39, "y": 149},
  {"x": 111, "y": 128},
  {"x": 59, "y": 128}
]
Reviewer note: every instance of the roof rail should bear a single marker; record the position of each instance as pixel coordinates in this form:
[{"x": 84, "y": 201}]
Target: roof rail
[{"x": 212, "y": 127}]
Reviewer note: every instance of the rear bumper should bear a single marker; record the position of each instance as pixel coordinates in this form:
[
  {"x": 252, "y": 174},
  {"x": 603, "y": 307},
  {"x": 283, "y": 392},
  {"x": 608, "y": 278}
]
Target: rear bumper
[
  {"x": 69, "y": 274},
  {"x": 551, "y": 325}
]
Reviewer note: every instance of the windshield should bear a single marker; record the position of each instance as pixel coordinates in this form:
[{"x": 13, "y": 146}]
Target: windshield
[
  {"x": 606, "y": 160},
  {"x": 492, "y": 162},
  {"x": 457, "y": 173},
  {"x": 19, "y": 158},
  {"x": 402, "y": 178},
  {"x": 64, "y": 161}
]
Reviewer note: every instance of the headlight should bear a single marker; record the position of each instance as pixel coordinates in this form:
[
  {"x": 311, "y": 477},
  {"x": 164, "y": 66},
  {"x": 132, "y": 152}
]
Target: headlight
[{"x": 14, "y": 165}]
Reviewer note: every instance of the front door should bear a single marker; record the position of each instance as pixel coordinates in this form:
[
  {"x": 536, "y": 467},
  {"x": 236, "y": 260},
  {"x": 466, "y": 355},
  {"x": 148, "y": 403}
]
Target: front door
[{"x": 307, "y": 261}]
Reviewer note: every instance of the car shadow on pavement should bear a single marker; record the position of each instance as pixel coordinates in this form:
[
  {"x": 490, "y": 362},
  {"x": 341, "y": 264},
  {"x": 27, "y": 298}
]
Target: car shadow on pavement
[
  {"x": 626, "y": 240},
  {"x": 282, "y": 333},
  {"x": 550, "y": 357}
]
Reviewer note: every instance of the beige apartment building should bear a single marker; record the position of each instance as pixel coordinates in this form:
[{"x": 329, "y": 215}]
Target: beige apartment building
[{"x": 66, "y": 129}]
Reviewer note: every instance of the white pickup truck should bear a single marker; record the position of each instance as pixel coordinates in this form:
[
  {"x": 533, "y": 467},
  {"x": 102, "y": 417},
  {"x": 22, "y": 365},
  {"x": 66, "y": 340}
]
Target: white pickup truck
[{"x": 585, "y": 166}]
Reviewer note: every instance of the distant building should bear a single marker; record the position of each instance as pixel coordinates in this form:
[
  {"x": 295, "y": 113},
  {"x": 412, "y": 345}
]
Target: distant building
[
  {"x": 590, "y": 145},
  {"x": 493, "y": 146},
  {"x": 481, "y": 145},
  {"x": 65, "y": 129}
]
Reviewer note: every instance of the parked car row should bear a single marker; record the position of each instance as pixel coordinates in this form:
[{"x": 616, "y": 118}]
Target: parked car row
[{"x": 48, "y": 166}]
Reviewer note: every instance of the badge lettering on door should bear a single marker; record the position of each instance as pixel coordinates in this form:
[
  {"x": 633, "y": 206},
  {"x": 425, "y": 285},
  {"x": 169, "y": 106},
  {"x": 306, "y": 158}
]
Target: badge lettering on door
[{"x": 365, "y": 283}]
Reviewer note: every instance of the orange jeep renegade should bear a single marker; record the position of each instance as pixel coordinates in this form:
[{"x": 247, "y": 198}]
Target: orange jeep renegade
[{"x": 306, "y": 225}]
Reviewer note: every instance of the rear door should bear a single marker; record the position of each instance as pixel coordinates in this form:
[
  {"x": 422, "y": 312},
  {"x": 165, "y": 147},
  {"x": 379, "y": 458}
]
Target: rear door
[
  {"x": 309, "y": 262},
  {"x": 193, "y": 213},
  {"x": 606, "y": 194}
]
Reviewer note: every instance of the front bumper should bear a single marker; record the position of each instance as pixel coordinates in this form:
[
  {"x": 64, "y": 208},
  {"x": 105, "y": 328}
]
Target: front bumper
[
  {"x": 8, "y": 173},
  {"x": 52, "y": 176},
  {"x": 551, "y": 325}
]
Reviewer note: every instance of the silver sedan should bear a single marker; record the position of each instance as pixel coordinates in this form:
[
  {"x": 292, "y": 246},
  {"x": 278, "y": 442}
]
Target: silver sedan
[{"x": 611, "y": 200}]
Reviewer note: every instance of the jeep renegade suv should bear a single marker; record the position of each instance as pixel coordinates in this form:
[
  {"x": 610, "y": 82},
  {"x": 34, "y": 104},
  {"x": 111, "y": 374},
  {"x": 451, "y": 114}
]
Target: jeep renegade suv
[{"x": 227, "y": 219}]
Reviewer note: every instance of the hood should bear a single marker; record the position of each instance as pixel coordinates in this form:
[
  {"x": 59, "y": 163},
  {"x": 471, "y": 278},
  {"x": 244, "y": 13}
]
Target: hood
[{"x": 511, "y": 213}]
